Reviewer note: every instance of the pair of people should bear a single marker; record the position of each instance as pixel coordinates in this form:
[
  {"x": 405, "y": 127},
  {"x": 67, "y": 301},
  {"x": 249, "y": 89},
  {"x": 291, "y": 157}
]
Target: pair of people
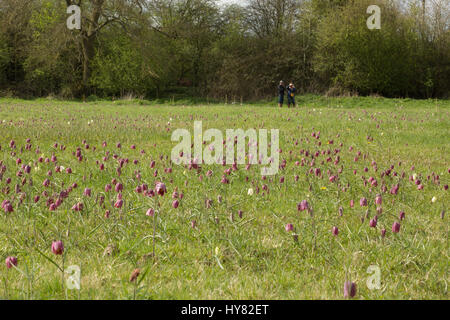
[{"x": 290, "y": 94}]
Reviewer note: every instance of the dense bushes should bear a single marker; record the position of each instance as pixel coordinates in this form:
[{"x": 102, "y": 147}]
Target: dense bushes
[{"x": 392, "y": 61}]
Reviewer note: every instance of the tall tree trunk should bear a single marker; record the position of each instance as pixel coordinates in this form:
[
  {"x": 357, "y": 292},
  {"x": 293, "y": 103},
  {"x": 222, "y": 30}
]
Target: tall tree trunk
[
  {"x": 88, "y": 43},
  {"x": 88, "y": 54}
]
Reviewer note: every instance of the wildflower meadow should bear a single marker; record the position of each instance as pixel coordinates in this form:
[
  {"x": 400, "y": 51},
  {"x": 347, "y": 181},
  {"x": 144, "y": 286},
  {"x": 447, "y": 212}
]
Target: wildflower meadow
[{"x": 93, "y": 207}]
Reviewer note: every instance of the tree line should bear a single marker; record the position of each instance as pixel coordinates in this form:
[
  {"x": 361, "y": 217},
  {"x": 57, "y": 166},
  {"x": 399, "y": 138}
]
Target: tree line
[{"x": 207, "y": 48}]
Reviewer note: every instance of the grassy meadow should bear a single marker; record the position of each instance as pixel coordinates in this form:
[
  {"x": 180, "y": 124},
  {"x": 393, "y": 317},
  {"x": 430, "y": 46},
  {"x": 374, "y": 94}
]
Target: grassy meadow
[{"x": 225, "y": 240}]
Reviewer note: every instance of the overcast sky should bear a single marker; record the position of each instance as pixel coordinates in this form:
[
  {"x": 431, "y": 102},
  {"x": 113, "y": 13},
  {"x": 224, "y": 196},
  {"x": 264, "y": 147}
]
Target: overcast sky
[{"x": 232, "y": 1}]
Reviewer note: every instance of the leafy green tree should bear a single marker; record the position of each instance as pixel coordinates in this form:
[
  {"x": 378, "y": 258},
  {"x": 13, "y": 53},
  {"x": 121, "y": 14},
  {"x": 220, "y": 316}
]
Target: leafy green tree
[
  {"x": 119, "y": 69},
  {"x": 14, "y": 40},
  {"x": 352, "y": 58}
]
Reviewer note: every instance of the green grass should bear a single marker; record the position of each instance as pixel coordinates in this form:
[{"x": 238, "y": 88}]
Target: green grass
[{"x": 249, "y": 258}]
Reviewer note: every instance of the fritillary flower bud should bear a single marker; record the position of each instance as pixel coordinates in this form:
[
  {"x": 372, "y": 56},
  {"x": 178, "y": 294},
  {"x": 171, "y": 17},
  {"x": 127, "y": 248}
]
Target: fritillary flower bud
[
  {"x": 396, "y": 227},
  {"x": 135, "y": 274},
  {"x": 160, "y": 188},
  {"x": 378, "y": 199},
  {"x": 335, "y": 231},
  {"x": 87, "y": 192},
  {"x": 303, "y": 205},
  {"x": 363, "y": 202},
  {"x": 349, "y": 289},
  {"x": 10, "y": 262},
  {"x": 118, "y": 204},
  {"x": 58, "y": 247},
  {"x": 150, "y": 212}
]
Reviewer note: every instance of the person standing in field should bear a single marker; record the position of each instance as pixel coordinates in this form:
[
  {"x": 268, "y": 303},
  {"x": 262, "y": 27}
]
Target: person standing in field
[
  {"x": 281, "y": 89},
  {"x": 291, "y": 95}
]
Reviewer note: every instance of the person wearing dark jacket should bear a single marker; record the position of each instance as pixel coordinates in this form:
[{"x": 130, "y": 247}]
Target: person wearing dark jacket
[
  {"x": 281, "y": 89},
  {"x": 291, "y": 95}
]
